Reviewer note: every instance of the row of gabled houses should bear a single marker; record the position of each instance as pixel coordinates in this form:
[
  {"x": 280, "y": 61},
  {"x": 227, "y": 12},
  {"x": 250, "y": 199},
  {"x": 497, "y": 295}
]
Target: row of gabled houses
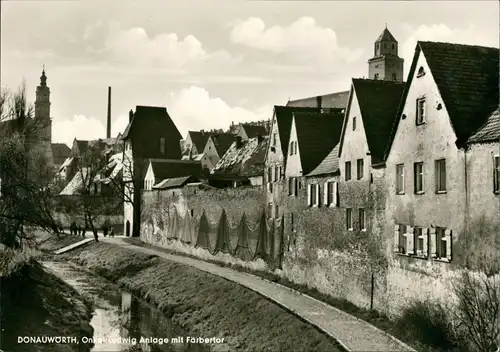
[{"x": 415, "y": 162}]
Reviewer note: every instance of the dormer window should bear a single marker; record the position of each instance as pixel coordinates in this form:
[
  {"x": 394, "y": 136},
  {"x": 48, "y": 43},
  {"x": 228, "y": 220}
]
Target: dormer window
[{"x": 421, "y": 71}]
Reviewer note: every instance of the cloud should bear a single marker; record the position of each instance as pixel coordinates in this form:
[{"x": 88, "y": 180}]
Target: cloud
[
  {"x": 190, "y": 108},
  {"x": 303, "y": 39},
  {"x": 134, "y": 47},
  {"x": 85, "y": 128},
  {"x": 193, "y": 107},
  {"x": 442, "y": 33}
]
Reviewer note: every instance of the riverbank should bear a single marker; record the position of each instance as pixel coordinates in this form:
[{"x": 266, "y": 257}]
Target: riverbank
[
  {"x": 35, "y": 303},
  {"x": 202, "y": 304}
]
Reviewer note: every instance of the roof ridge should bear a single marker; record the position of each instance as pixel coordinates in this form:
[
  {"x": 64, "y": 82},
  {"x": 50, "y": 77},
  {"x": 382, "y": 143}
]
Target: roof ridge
[{"x": 458, "y": 44}]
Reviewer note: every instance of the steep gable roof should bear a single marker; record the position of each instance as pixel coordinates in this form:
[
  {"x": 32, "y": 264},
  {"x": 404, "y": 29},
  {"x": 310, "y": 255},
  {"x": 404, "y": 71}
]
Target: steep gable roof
[
  {"x": 172, "y": 168},
  {"x": 153, "y": 117},
  {"x": 253, "y": 131},
  {"x": 222, "y": 142},
  {"x": 467, "y": 79},
  {"x": 329, "y": 165},
  {"x": 175, "y": 182},
  {"x": 247, "y": 160},
  {"x": 284, "y": 116},
  {"x": 378, "y": 103},
  {"x": 317, "y": 134},
  {"x": 60, "y": 152},
  {"x": 490, "y": 131},
  {"x": 199, "y": 139},
  {"x": 332, "y": 100},
  {"x": 386, "y": 36}
]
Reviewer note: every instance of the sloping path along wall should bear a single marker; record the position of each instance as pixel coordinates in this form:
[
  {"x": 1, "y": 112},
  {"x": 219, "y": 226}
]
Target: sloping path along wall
[{"x": 353, "y": 334}]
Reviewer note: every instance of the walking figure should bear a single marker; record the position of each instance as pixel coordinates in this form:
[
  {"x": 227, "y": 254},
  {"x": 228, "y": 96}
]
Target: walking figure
[{"x": 111, "y": 233}]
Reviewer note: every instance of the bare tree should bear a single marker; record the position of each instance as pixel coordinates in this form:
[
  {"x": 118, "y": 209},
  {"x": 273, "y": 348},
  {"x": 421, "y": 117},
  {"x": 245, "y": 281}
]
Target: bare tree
[
  {"x": 93, "y": 198},
  {"x": 478, "y": 287},
  {"x": 25, "y": 196}
]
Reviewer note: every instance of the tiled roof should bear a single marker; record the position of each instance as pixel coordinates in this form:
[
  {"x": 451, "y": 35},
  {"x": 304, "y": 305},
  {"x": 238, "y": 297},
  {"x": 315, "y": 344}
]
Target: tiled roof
[
  {"x": 60, "y": 152},
  {"x": 332, "y": 100},
  {"x": 284, "y": 116},
  {"x": 329, "y": 165},
  {"x": 317, "y": 134},
  {"x": 490, "y": 131},
  {"x": 170, "y": 168},
  {"x": 247, "y": 161},
  {"x": 75, "y": 185},
  {"x": 172, "y": 182},
  {"x": 253, "y": 131},
  {"x": 386, "y": 36},
  {"x": 222, "y": 142},
  {"x": 378, "y": 102},
  {"x": 112, "y": 170},
  {"x": 151, "y": 117},
  {"x": 200, "y": 139},
  {"x": 467, "y": 79}
]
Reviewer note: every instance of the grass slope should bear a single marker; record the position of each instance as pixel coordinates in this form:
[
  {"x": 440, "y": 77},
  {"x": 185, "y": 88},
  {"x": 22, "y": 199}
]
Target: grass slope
[{"x": 204, "y": 304}]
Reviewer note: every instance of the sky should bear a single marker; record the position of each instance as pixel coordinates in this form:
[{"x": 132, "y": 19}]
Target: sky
[{"x": 210, "y": 62}]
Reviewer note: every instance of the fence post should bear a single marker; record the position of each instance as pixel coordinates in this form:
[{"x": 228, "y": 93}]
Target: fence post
[{"x": 371, "y": 291}]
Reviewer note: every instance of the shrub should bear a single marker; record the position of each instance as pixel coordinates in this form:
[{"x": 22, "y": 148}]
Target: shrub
[{"x": 429, "y": 323}]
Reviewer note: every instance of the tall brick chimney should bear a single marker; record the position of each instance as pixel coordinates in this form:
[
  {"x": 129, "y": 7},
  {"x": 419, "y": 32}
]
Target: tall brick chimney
[{"x": 108, "y": 126}]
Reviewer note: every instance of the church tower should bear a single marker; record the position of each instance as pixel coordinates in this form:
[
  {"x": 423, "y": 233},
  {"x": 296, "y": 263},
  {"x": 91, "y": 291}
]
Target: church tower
[
  {"x": 42, "y": 119},
  {"x": 385, "y": 63}
]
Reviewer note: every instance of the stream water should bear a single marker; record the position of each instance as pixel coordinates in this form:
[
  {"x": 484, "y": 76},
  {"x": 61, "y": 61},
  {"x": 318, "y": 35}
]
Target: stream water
[{"x": 119, "y": 318}]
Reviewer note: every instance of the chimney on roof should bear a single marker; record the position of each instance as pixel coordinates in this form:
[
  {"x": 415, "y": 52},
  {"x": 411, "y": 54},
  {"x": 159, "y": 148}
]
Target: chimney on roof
[
  {"x": 202, "y": 132},
  {"x": 130, "y": 115},
  {"x": 108, "y": 129},
  {"x": 238, "y": 142},
  {"x": 319, "y": 101}
]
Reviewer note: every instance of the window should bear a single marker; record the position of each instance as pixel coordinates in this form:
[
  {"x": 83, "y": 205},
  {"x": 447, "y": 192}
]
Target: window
[
  {"x": 292, "y": 186},
  {"x": 347, "y": 170},
  {"x": 420, "y": 72},
  {"x": 361, "y": 213},
  {"x": 401, "y": 238},
  {"x": 269, "y": 174},
  {"x": 442, "y": 243},
  {"x": 400, "y": 179},
  {"x": 376, "y": 76},
  {"x": 420, "y": 111},
  {"x": 440, "y": 175},
  {"x": 276, "y": 211},
  {"x": 331, "y": 194},
  {"x": 496, "y": 174},
  {"x": 394, "y": 76},
  {"x": 348, "y": 219},
  {"x": 162, "y": 145},
  {"x": 291, "y": 148},
  {"x": 354, "y": 123},
  {"x": 420, "y": 240},
  {"x": 314, "y": 194},
  {"x": 294, "y": 147},
  {"x": 274, "y": 139},
  {"x": 393, "y": 46},
  {"x": 276, "y": 173},
  {"x": 419, "y": 178},
  {"x": 359, "y": 167}
]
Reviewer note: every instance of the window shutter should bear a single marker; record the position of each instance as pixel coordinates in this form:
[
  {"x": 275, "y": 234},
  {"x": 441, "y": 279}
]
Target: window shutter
[
  {"x": 309, "y": 195},
  {"x": 425, "y": 238},
  {"x": 432, "y": 239},
  {"x": 295, "y": 186},
  {"x": 335, "y": 199},
  {"x": 410, "y": 248},
  {"x": 318, "y": 202},
  {"x": 396, "y": 238},
  {"x": 325, "y": 194},
  {"x": 447, "y": 238}
]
